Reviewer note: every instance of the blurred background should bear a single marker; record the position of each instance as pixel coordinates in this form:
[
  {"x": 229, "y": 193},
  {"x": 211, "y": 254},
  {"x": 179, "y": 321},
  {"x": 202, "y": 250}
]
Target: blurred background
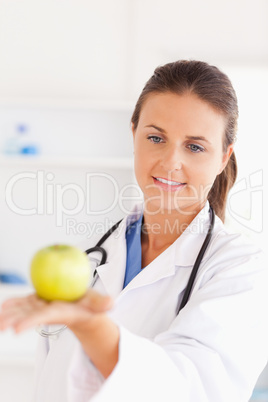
[{"x": 70, "y": 74}]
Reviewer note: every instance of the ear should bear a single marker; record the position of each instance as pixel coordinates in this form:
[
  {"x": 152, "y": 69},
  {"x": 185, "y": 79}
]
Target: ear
[{"x": 226, "y": 157}]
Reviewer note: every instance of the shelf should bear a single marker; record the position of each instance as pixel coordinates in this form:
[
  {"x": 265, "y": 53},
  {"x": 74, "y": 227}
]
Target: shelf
[{"x": 66, "y": 161}]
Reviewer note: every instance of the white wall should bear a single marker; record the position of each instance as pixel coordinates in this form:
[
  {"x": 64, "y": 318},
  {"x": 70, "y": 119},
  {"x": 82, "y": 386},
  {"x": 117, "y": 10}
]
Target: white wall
[
  {"x": 63, "y": 49},
  {"x": 246, "y": 206},
  {"x": 106, "y": 50}
]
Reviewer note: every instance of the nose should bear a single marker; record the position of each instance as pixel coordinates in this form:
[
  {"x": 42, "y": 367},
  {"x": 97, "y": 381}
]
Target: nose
[{"x": 171, "y": 159}]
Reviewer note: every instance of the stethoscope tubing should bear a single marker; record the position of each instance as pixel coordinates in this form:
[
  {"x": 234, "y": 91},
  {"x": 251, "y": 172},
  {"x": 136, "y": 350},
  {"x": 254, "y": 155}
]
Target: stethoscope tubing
[
  {"x": 195, "y": 268},
  {"x": 100, "y": 242},
  {"x": 197, "y": 263}
]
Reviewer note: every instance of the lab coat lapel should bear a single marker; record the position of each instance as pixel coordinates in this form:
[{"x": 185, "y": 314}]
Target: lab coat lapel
[
  {"x": 112, "y": 273},
  {"x": 181, "y": 254},
  {"x": 161, "y": 267}
]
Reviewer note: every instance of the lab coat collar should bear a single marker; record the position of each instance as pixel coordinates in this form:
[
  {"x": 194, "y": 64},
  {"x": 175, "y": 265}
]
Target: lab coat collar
[
  {"x": 187, "y": 246},
  {"x": 182, "y": 253}
]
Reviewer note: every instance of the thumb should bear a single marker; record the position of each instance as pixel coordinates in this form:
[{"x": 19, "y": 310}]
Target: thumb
[{"x": 96, "y": 302}]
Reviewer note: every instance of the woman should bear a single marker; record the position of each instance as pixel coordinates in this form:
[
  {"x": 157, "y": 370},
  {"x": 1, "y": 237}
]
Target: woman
[{"x": 125, "y": 341}]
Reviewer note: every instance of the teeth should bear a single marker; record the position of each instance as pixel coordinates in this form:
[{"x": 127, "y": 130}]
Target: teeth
[{"x": 170, "y": 183}]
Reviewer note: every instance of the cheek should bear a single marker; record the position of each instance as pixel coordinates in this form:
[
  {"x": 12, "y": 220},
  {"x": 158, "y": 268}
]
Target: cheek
[
  {"x": 205, "y": 172},
  {"x": 140, "y": 167},
  {"x": 143, "y": 159}
]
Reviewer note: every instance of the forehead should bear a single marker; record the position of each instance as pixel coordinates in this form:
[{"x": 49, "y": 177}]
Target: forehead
[{"x": 186, "y": 112}]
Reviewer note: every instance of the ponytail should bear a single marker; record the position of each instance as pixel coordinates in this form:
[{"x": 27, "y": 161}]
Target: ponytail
[{"x": 218, "y": 193}]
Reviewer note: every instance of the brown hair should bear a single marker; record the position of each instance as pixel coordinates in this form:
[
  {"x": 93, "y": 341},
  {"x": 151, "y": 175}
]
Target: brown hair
[{"x": 212, "y": 86}]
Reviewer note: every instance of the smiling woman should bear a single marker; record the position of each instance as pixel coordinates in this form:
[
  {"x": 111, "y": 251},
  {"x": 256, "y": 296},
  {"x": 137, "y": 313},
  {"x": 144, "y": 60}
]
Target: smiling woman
[
  {"x": 197, "y": 102},
  {"x": 124, "y": 340}
]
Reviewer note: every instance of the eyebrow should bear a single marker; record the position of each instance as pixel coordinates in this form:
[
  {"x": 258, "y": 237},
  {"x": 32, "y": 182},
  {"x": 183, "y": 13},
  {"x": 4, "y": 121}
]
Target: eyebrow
[
  {"x": 198, "y": 138},
  {"x": 157, "y": 128},
  {"x": 188, "y": 137}
]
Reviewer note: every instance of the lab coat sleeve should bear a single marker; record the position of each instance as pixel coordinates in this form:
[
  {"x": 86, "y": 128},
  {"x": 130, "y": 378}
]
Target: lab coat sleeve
[
  {"x": 213, "y": 351},
  {"x": 139, "y": 374},
  {"x": 222, "y": 332}
]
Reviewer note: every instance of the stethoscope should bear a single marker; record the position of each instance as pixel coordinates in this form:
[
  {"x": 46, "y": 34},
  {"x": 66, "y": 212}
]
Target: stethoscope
[{"x": 102, "y": 251}]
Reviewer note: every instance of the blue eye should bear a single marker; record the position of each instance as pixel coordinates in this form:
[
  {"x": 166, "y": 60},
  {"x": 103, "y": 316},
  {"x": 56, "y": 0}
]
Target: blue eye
[
  {"x": 196, "y": 148},
  {"x": 154, "y": 139}
]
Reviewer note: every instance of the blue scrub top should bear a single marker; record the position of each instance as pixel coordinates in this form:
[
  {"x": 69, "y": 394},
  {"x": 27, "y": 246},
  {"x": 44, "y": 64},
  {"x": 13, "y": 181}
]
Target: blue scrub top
[{"x": 133, "y": 239}]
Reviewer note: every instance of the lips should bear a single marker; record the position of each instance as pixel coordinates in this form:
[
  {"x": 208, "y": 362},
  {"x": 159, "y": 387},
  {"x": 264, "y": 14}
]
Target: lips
[
  {"x": 169, "y": 182},
  {"x": 168, "y": 185}
]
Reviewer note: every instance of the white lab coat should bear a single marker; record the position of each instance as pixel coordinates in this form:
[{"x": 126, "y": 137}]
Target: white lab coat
[{"x": 213, "y": 351}]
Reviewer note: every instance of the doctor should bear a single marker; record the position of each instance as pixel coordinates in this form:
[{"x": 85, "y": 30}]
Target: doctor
[{"x": 124, "y": 340}]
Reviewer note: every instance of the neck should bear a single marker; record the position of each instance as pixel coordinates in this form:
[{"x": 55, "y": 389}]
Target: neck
[{"x": 161, "y": 229}]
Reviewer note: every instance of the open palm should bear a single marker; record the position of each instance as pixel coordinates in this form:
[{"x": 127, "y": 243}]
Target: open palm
[{"x": 27, "y": 312}]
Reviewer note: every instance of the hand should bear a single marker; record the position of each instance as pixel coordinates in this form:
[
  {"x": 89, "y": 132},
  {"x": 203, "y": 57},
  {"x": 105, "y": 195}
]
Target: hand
[
  {"x": 27, "y": 312},
  {"x": 86, "y": 317}
]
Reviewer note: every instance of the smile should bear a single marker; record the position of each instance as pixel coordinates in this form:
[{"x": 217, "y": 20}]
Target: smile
[
  {"x": 168, "y": 185},
  {"x": 169, "y": 182}
]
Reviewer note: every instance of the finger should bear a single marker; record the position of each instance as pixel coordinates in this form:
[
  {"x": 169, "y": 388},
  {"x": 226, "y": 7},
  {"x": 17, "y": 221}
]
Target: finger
[
  {"x": 12, "y": 302},
  {"x": 57, "y": 312},
  {"x": 20, "y": 301},
  {"x": 27, "y": 312},
  {"x": 23, "y": 306},
  {"x": 49, "y": 313},
  {"x": 19, "y": 309},
  {"x": 95, "y": 302},
  {"x": 25, "y": 322},
  {"x": 11, "y": 316}
]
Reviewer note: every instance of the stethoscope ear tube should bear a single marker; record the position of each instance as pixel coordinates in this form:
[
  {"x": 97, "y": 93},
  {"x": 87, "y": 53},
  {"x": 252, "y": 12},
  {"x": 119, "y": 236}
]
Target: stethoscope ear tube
[
  {"x": 100, "y": 242},
  {"x": 197, "y": 262},
  {"x": 108, "y": 233},
  {"x": 101, "y": 250}
]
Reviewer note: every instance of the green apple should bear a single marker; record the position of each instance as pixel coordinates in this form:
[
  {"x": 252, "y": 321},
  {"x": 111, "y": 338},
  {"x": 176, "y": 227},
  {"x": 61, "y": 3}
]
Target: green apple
[{"x": 60, "y": 272}]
